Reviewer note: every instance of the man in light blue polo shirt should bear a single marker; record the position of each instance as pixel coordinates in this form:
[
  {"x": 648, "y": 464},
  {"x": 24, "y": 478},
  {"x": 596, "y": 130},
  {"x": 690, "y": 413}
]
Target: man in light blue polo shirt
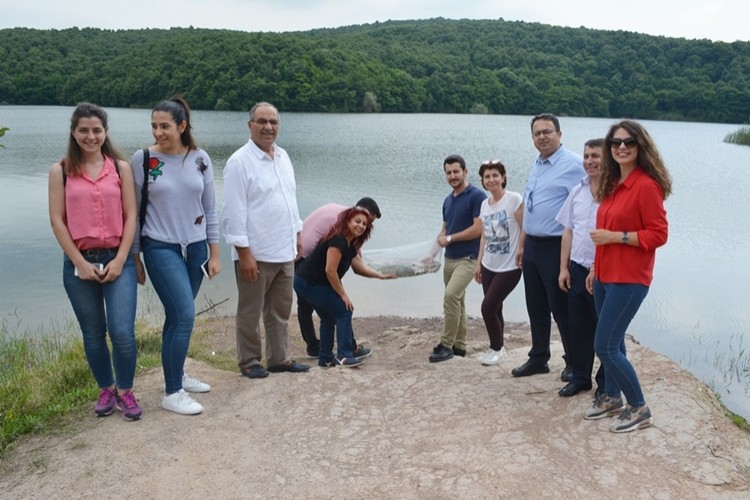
[{"x": 555, "y": 171}]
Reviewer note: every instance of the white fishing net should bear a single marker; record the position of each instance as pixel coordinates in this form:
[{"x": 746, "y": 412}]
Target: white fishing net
[{"x": 407, "y": 260}]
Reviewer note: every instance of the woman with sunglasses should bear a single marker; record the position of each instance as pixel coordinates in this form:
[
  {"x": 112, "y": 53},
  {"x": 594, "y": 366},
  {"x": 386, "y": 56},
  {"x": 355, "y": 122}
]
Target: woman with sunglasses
[
  {"x": 179, "y": 239},
  {"x": 631, "y": 224},
  {"x": 318, "y": 282},
  {"x": 502, "y": 219}
]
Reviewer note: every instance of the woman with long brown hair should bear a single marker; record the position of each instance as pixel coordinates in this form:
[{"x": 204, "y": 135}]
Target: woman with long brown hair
[
  {"x": 631, "y": 224},
  {"x": 93, "y": 215}
]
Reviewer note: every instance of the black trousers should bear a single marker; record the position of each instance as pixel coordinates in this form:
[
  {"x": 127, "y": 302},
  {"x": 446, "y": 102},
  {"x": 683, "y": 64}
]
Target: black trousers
[
  {"x": 541, "y": 268},
  {"x": 582, "y": 320}
]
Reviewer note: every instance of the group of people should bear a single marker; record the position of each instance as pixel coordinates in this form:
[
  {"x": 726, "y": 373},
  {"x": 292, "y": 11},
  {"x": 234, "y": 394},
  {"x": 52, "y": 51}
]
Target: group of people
[
  {"x": 584, "y": 242},
  {"x": 106, "y": 212},
  {"x": 583, "y": 236}
]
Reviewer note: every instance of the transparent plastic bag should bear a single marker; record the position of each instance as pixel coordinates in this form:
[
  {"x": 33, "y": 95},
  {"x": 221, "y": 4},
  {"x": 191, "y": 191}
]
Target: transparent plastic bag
[{"x": 408, "y": 260}]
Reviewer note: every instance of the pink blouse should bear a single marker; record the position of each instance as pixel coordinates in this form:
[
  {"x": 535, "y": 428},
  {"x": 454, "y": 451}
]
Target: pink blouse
[{"x": 93, "y": 208}]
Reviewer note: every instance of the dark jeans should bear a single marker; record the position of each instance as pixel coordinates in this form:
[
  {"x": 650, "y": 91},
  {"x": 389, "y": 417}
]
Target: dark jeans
[
  {"x": 616, "y": 304},
  {"x": 334, "y": 317},
  {"x": 305, "y": 319},
  {"x": 541, "y": 268},
  {"x": 582, "y": 321},
  {"x": 497, "y": 286}
]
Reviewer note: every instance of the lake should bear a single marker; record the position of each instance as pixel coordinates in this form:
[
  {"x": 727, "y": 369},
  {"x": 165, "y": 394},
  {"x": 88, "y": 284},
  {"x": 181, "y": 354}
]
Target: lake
[{"x": 694, "y": 313}]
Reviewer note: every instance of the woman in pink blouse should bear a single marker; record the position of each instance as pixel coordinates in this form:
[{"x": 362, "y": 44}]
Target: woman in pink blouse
[{"x": 93, "y": 216}]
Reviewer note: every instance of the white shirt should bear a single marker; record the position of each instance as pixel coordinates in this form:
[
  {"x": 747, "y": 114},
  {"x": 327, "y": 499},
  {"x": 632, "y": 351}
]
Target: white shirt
[
  {"x": 501, "y": 232},
  {"x": 260, "y": 204},
  {"x": 578, "y": 214}
]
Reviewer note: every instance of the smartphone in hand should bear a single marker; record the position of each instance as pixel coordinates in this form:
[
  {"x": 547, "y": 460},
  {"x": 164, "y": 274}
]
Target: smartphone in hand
[
  {"x": 204, "y": 268},
  {"x": 99, "y": 266}
]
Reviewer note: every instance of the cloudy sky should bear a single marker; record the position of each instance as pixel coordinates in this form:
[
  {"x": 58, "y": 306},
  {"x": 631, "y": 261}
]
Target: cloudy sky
[{"x": 725, "y": 20}]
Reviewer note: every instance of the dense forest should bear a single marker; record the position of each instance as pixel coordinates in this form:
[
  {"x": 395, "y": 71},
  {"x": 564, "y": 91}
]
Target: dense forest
[{"x": 430, "y": 66}]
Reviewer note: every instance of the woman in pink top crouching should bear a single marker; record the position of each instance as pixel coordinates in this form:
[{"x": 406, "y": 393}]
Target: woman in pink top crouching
[{"x": 93, "y": 216}]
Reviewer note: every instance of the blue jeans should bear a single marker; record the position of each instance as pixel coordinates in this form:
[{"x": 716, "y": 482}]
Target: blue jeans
[
  {"x": 176, "y": 277},
  {"x": 333, "y": 316},
  {"x": 616, "y": 305},
  {"x": 102, "y": 308}
]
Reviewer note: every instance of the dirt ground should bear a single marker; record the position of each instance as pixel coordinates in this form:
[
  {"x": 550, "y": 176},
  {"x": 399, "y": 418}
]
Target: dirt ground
[{"x": 397, "y": 427}]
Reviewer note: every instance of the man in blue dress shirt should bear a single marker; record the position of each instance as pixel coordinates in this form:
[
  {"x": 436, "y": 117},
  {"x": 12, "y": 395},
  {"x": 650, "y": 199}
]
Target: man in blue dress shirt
[{"x": 555, "y": 171}]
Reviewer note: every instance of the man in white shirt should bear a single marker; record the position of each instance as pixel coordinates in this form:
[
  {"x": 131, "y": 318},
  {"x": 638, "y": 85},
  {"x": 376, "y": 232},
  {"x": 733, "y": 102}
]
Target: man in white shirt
[
  {"x": 578, "y": 217},
  {"x": 262, "y": 224}
]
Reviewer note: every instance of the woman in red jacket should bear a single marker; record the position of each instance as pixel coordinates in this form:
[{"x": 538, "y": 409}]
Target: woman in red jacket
[{"x": 630, "y": 225}]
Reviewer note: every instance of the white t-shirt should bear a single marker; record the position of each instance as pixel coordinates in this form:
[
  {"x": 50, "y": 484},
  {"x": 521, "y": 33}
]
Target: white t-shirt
[{"x": 501, "y": 232}]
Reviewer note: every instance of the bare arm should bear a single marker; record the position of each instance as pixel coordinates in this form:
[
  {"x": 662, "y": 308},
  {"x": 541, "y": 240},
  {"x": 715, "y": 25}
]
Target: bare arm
[
  {"x": 56, "y": 193},
  {"x": 130, "y": 213},
  {"x": 470, "y": 233},
  {"x": 333, "y": 258},
  {"x": 563, "y": 280},
  {"x": 359, "y": 267}
]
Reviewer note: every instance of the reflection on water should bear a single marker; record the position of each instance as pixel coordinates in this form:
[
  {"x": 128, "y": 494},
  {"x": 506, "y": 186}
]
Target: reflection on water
[{"x": 693, "y": 312}]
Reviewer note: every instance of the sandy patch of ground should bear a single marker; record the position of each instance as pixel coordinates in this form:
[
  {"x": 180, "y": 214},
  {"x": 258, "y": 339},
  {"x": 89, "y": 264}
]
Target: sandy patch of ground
[{"x": 398, "y": 427}]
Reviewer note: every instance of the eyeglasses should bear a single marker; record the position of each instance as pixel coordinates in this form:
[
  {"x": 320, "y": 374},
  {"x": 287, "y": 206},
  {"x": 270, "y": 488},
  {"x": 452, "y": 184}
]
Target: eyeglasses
[
  {"x": 630, "y": 142},
  {"x": 540, "y": 133},
  {"x": 263, "y": 122}
]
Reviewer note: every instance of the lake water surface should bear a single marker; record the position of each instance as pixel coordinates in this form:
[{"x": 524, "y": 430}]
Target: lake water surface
[{"x": 694, "y": 312}]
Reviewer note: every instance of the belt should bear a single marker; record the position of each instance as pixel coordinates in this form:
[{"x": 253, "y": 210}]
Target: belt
[
  {"x": 543, "y": 238},
  {"x": 588, "y": 269},
  {"x": 96, "y": 252}
]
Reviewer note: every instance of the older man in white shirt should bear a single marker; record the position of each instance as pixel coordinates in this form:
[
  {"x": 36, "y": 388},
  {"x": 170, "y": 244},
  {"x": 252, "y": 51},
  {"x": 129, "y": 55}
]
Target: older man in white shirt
[{"x": 262, "y": 224}]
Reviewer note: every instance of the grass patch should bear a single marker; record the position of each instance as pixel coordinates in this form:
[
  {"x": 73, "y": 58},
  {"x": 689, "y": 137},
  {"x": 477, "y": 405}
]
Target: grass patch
[
  {"x": 44, "y": 376},
  {"x": 741, "y": 137}
]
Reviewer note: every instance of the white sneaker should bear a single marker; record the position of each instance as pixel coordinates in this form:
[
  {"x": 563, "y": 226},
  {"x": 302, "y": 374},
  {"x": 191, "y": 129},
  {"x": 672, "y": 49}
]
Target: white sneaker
[
  {"x": 493, "y": 357},
  {"x": 191, "y": 384},
  {"x": 180, "y": 402}
]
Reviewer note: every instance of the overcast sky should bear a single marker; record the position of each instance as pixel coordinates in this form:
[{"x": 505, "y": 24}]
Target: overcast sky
[{"x": 726, "y": 20}]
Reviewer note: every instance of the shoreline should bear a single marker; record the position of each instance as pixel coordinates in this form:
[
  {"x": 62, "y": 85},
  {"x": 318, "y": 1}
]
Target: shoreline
[{"x": 398, "y": 427}]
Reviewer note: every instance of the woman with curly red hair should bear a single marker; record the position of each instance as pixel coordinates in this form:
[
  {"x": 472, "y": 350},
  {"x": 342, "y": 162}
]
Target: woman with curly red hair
[{"x": 318, "y": 281}]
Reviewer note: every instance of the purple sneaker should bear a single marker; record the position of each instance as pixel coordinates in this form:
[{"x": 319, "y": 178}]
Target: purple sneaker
[
  {"x": 106, "y": 404},
  {"x": 128, "y": 405}
]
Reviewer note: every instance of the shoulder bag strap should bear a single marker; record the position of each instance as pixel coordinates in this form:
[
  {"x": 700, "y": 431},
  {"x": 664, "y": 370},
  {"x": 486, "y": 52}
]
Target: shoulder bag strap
[{"x": 144, "y": 188}]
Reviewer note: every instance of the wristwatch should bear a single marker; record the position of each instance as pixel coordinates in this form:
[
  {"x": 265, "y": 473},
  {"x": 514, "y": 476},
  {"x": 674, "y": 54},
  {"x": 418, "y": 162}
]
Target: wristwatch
[
  {"x": 625, "y": 238},
  {"x": 449, "y": 238}
]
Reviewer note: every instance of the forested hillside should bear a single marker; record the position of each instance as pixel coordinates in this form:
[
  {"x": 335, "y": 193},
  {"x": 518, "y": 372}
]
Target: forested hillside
[{"x": 426, "y": 66}]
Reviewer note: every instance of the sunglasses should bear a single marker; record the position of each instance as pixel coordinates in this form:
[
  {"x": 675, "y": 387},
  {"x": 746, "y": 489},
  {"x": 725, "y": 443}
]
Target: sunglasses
[
  {"x": 490, "y": 163},
  {"x": 630, "y": 142}
]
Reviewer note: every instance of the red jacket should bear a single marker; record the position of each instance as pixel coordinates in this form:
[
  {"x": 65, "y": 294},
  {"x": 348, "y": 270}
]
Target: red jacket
[{"x": 636, "y": 206}]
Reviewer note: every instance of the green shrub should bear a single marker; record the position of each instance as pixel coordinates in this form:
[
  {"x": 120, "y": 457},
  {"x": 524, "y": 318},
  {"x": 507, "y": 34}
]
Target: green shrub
[{"x": 741, "y": 137}]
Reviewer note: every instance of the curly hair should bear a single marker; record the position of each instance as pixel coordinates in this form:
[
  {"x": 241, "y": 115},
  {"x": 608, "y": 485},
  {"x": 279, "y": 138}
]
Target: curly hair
[
  {"x": 649, "y": 160},
  {"x": 342, "y": 226}
]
